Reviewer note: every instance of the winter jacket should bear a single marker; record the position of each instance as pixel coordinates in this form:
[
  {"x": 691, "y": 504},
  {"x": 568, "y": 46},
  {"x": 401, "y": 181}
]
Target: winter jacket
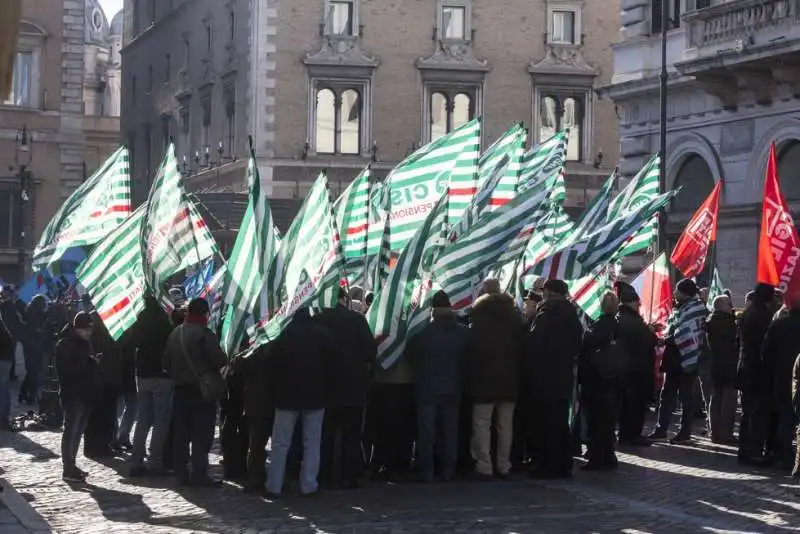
[
  {"x": 495, "y": 350},
  {"x": 302, "y": 364},
  {"x": 9, "y": 312},
  {"x": 437, "y": 356},
  {"x": 109, "y": 367},
  {"x": 778, "y": 353},
  {"x": 356, "y": 352},
  {"x": 753, "y": 327},
  {"x": 76, "y": 368},
  {"x": 259, "y": 383},
  {"x": 639, "y": 341},
  {"x": 150, "y": 335},
  {"x": 723, "y": 345},
  {"x": 192, "y": 351},
  {"x": 554, "y": 344},
  {"x": 603, "y": 332},
  {"x": 7, "y": 343}
]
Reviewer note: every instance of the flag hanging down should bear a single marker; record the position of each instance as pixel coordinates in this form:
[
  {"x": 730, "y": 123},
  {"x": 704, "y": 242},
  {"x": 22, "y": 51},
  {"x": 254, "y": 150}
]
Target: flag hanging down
[
  {"x": 256, "y": 245},
  {"x": 542, "y": 161},
  {"x": 716, "y": 289},
  {"x": 510, "y": 145},
  {"x": 96, "y": 208},
  {"x": 307, "y": 264},
  {"x": 655, "y": 291},
  {"x": 416, "y": 184},
  {"x": 113, "y": 275},
  {"x": 778, "y": 244},
  {"x": 689, "y": 254},
  {"x": 352, "y": 219}
]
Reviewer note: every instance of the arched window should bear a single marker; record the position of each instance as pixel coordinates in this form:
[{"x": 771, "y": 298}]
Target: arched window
[
  {"x": 696, "y": 182},
  {"x": 788, "y": 164},
  {"x": 462, "y": 110},
  {"x": 338, "y": 121},
  {"x": 438, "y": 116},
  {"x": 563, "y": 112},
  {"x": 449, "y": 110}
]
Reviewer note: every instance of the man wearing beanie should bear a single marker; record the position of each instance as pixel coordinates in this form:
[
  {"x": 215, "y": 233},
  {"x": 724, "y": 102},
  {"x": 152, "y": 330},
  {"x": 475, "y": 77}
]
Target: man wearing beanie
[
  {"x": 751, "y": 378},
  {"x": 639, "y": 341},
  {"x": 437, "y": 354},
  {"x": 684, "y": 344}
]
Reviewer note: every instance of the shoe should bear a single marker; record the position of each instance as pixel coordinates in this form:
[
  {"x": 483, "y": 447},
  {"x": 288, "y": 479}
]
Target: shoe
[
  {"x": 312, "y": 494},
  {"x": 271, "y": 496},
  {"x": 83, "y": 473},
  {"x": 73, "y": 475},
  {"x": 679, "y": 439},
  {"x": 657, "y": 435}
]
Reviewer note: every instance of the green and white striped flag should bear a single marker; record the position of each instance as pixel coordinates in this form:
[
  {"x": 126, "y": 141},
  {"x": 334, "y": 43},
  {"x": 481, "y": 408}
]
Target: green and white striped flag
[
  {"x": 587, "y": 292},
  {"x": 553, "y": 228},
  {"x": 481, "y": 202},
  {"x": 641, "y": 189},
  {"x": 256, "y": 245},
  {"x": 542, "y": 161},
  {"x": 308, "y": 264},
  {"x": 415, "y": 185},
  {"x": 716, "y": 289},
  {"x": 511, "y": 145},
  {"x": 113, "y": 275},
  {"x": 595, "y": 215},
  {"x": 352, "y": 219},
  {"x": 96, "y": 208}
]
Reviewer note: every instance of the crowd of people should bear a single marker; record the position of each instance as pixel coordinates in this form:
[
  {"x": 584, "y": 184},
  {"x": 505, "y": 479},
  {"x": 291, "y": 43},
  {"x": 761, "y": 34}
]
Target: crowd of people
[{"x": 497, "y": 393}]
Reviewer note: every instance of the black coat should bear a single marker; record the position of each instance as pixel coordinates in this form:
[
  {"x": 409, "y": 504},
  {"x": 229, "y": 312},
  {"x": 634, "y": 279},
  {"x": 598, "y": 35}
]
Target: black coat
[
  {"x": 753, "y": 325},
  {"x": 12, "y": 318},
  {"x": 356, "y": 352},
  {"x": 602, "y": 333},
  {"x": 259, "y": 383},
  {"x": 639, "y": 341},
  {"x": 554, "y": 344},
  {"x": 76, "y": 368},
  {"x": 437, "y": 353},
  {"x": 149, "y": 337},
  {"x": 723, "y": 344},
  {"x": 778, "y": 354},
  {"x": 303, "y": 364},
  {"x": 7, "y": 344}
]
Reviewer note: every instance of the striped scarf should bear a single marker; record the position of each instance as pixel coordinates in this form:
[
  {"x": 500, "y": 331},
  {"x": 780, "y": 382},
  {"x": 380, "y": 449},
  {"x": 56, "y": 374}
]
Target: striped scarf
[{"x": 685, "y": 326}]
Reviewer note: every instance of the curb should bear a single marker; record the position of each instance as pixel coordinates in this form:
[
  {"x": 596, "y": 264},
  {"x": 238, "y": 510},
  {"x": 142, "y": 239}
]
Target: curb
[{"x": 23, "y": 511}]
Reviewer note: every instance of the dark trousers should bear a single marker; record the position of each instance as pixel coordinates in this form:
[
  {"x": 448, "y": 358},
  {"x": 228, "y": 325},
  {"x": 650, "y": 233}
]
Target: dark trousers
[
  {"x": 787, "y": 421},
  {"x": 678, "y": 386},
  {"x": 395, "y": 428},
  {"x": 234, "y": 434},
  {"x": 76, "y": 415},
  {"x": 600, "y": 403},
  {"x": 521, "y": 444},
  {"x": 259, "y": 432},
  {"x": 635, "y": 397},
  {"x": 722, "y": 412},
  {"x": 437, "y": 421},
  {"x": 101, "y": 428},
  {"x": 34, "y": 361},
  {"x": 169, "y": 442},
  {"x": 194, "y": 420},
  {"x": 755, "y": 420},
  {"x": 550, "y": 434},
  {"x": 341, "y": 455}
]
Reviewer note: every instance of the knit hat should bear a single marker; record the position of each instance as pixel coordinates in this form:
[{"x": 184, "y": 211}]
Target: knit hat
[
  {"x": 626, "y": 292},
  {"x": 559, "y": 287},
  {"x": 440, "y": 300},
  {"x": 687, "y": 287},
  {"x": 81, "y": 321}
]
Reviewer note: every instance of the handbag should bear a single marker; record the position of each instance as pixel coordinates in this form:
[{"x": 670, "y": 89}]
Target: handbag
[{"x": 211, "y": 383}]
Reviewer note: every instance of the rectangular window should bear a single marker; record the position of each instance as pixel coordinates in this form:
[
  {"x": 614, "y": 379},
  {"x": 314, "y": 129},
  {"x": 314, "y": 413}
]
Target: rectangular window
[
  {"x": 167, "y": 67},
  {"x": 448, "y": 109},
  {"x": 149, "y": 78},
  {"x": 454, "y": 23},
  {"x": 9, "y": 218},
  {"x": 674, "y": 13},
  {"x": 21, "y": 81},
  {"x": 338, "y": 124},
  {"x": 563, "y": 27},
  {"x": 340, "y": 18},
  {"x": 564, "y": 111}
]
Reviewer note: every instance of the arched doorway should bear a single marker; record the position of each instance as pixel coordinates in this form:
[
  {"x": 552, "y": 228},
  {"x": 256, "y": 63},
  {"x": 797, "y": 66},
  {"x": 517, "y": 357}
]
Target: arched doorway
[{"x": 788, "y": 155}]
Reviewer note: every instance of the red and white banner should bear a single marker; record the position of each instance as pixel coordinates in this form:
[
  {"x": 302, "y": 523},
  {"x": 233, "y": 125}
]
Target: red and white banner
[
  {"x": 655, "y": 291},
  {"x": 689, "y": 254}
]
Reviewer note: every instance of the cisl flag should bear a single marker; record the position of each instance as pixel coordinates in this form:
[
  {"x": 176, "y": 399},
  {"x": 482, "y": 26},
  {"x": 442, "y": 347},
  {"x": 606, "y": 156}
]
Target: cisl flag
[
  {"x": 779, "y": 244},
  {"x": 689, "y": 255},
  {"x": 655, "y": 291}
]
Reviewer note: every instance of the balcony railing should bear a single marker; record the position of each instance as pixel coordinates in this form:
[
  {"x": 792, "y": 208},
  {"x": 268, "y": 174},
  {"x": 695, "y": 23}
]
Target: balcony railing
[{"x": 736, "y": 22}]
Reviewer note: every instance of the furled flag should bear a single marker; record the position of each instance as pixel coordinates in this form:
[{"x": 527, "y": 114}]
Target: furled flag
[
  {"x": 655, "y": 291},
  {"x": 415, "y": 185},
  {"x": 642, "y": 188},
  {"x": 778, "y": 245},
  {"x": 96, "y": 208},
  {"x": 174, "y": 236},
  {"x": 113, "y": 275},
  {"x": 716, "y": 288},
  {"x": 542, "y": 161},
  {"x": 689, "y": 254},
  {"x": 352, "y": 219},
  {"x": 256, "y": 245}
]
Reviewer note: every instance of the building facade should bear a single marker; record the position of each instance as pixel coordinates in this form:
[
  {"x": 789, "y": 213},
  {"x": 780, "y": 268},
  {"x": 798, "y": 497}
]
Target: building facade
[
  {"x": 65, "y": 135},
  {"x": 337, "y": 84},
  {"x": 733, "y": 89}
]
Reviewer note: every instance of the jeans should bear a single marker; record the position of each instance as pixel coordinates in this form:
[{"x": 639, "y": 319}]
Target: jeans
[
  {"x": 342, "y": 456},
  {"x": 722, "y": 412},
  {"x": 438, "y": 417},
  {"x": 76, "y": 416},
  {"x": 5, "y": 390},
  {"x": 482, "y": 414},
  {"x": 677, "y": 386},
  {"x": 195, "y": 421},
  {"x": 154, "y": 403},
  {"x": 127, "y": 406},
  {"x": 282, "y": 432}
]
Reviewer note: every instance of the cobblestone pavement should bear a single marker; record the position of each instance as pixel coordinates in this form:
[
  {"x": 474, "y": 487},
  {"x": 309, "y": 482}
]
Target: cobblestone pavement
[{"x": 697, "y": 488}]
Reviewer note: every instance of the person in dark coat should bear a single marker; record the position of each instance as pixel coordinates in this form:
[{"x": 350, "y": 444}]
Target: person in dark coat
[
  {"x": 636, "y": 388},
  {"x": 778, "y": 353},
  {"x": 494, "y": 358},
  {"x": 233, "y": 429},
  {"x": 76, "y": 368},
  {"x": 549, "y": 372},
  {"x": 102, "y": 426},
  {"x": 342, "y": 456},
  {"x": 723, "y": 346},
  {"x": 36, "y": 325},
  {"x": 598, "y": 390},
  {"x": 128, "y": 399},
  {"x": 259, "y": 409},
  {"x": 437, "y": 355},
  {"x": 751, "y": 378},
  {"x": 796, "y": 406},
  {"x": 7, "y": 354},
  {"x": 305, "y": 354}
]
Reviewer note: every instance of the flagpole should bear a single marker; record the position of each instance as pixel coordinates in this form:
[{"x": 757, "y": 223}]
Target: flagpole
[{"x": 662, "y": 174}]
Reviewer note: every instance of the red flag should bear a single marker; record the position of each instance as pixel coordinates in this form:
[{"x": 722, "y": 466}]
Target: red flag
[
  {"x": 779, "y": 244},
  {"x": 689, "y": 255}
]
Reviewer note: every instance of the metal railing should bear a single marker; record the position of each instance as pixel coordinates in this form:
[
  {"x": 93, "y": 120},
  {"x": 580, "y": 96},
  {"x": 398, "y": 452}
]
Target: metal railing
[{"x": 737, "y": 21}]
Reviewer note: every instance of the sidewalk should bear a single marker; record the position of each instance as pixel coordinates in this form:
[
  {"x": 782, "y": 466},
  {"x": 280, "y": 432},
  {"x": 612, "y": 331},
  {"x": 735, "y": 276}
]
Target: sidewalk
[{"x": 17, "y": 516}]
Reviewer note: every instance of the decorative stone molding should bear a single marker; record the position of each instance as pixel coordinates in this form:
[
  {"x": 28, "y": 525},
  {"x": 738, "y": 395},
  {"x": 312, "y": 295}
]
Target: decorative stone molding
[
  {"x": 679, "y": 149},
  {"x": 723, "y": 86},
  {"x": 344, "y": 54},
  {"x": 453, "y": 56},
  {"x": 563, "y": 63}
]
